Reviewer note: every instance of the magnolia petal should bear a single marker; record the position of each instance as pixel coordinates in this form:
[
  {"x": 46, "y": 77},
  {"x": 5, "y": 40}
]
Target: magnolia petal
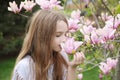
[
  {"x": 9, "y": 9},
  {"x": 77, "y": 44}
]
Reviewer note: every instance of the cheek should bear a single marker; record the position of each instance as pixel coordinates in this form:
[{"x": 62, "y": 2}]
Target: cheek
[
  {"x": 57, "y": 41},
  {"x": 56, "y": 44}
]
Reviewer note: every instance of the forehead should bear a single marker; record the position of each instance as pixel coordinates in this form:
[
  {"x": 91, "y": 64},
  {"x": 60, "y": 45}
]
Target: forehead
[{"x": 61, "y": 26}]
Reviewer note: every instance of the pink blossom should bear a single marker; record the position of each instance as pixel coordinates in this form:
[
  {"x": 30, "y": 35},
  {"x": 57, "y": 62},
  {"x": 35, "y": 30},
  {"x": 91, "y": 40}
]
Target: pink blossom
[
  {"x": 105, "y": 16},
  {"x": 80, "y": 76},
  {"x": 14, "y": 7},
  {"x": 28, "y": 5},
  {"x": 113, "y": 22},
  {"x": 105, "y": 68},
  {"x": 112, "y": 62},
  {"x": 49, "y": 4},
  {"x": 95, "y": 39},
  {"x": 55, "y": 4},
  {"x": 73, "y": 25},
  {"x": 109, "y": 46},
  {"x": 108, "y": 33},
  {"x": 100, "y": 76},
  {"x": 76, "y": 14},
  {"x": 86, "y": 30},
  {"x": 71, "y": 45},
  {"x": 44, "y": 4},
  {"x": 87, "y": 38}
]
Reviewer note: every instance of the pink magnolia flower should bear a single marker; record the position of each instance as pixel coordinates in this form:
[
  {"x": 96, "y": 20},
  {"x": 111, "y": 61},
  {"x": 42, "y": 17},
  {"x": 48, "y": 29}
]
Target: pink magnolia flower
[
  {"x": 73, "y": 25},
  {"x": 28, "y": 5},
  {"x": 71, "y": 45},
  {"x": 95, "y": 39},
  {"x": 14, "y": 7},
  {"x": 108, "y": 33},
  {"x": 105, "y": 68},
  {"x": 87, "y": 38},
  {"x": 49, "y": 4},
  {"x": 105, "y": 16},
  {"x": 80, "y": 76},
  {"x": 55, "y": 4},
  {"x": 76, "y": 14},
  {"x": 86, "y": 30},
  {"x": 113, "y": 22},
  {"x": 100, "y": 76},
  {"x": 112, "y": 62},
  {"x": 44, "y": 4},
  {"x": 109, "y": 46}
]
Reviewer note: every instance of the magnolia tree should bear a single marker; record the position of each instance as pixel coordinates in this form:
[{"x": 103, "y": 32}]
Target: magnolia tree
[{"x": 95, "y": 36}]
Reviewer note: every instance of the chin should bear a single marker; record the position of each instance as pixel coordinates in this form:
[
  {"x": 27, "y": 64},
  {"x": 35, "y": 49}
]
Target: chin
[{"x": 58, "y": 50}]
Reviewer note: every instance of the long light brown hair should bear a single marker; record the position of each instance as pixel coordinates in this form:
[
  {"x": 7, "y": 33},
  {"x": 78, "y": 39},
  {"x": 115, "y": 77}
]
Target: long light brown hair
[{"x": 37, "y": 43}]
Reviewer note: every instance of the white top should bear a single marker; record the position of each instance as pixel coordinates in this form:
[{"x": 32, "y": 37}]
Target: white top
[{"x": 23, "y": 69}]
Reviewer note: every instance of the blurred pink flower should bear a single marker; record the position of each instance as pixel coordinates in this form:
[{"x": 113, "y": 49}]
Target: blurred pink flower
[
  {"x": 55, "y": 4},
  {"x": 113, "y": 22},
  {"x": 14, "y": 7},
  {"x": 105, "y": 16},
  {"x": 44, "y": 4},
  {"x": 28, "y": 5},
  {"x": 100, "y": 76},
  {"x": 49, "y": 4},
  {"x": 105, "y": 68},
  {"x": 86, "y": 30},
  {"x": 108, "y": 33},
  {"x": 73, "y": 25},
  {"x": 71, "y": 45},
  {"x": 95, "y": 39},
  {"x": 76, "y": 14},
  {"x": 80, "y": 76},
  {"x": 109, "y": 46},
  {"x": 87, "y": 38},
  {"x": 112, "y": 62}
]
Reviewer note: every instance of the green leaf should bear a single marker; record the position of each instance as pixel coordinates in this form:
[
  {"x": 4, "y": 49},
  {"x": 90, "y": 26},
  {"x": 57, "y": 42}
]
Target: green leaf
[{"x": 117, "y": 9}]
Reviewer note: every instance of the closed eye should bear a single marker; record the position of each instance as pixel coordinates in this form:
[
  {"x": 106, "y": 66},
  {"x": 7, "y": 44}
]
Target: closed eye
[{"x": 58, "y": 34}]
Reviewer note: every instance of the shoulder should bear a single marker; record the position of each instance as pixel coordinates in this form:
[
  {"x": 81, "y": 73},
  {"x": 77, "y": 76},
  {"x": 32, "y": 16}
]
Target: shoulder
[
  {"x": 23, "y": 67},
  {"x": 24, "y": 63}
]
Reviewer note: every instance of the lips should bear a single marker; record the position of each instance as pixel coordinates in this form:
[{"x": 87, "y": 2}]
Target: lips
[{"x": 60, "y": 46}]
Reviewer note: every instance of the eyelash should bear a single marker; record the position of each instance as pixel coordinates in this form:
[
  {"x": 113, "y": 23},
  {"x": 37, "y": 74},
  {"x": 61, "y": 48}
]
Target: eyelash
[
  {"x": 67, "y": 35},
  {"x": 58, "y": 35}
]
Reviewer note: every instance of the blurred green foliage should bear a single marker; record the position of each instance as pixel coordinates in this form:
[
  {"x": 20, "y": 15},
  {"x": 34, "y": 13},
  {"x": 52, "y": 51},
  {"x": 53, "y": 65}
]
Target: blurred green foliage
[
  {"x": 12, "y": 28},
  {"x": 117, "y": 9}
]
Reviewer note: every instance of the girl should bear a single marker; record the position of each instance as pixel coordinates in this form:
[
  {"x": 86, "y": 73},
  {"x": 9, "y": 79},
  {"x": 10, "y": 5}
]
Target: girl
[{"x": 41, "y": 57}]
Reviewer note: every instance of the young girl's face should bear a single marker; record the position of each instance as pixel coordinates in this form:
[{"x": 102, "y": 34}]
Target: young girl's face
[{"x": 60, "y": 35}]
